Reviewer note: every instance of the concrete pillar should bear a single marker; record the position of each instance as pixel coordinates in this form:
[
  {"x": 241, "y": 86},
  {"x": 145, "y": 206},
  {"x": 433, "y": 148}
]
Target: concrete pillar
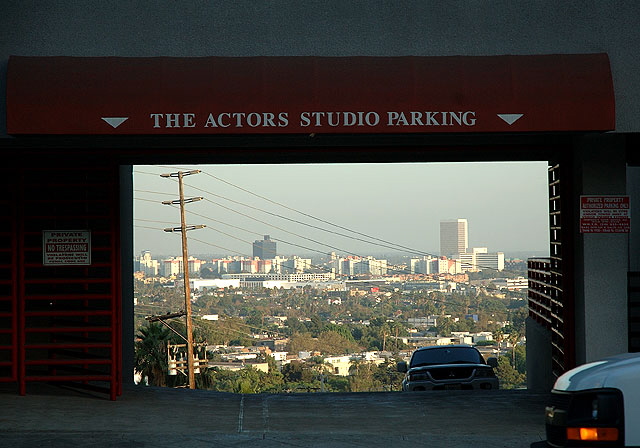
[
  {"x": 126, "y": 255},
  {"x": 539, "y": 371},
  {"x": 633, "y": 190},
  {"x": 601, "y": 260}
]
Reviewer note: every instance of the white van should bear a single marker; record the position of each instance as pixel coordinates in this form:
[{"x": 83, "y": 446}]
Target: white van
[{"x": 596, "y": 404}]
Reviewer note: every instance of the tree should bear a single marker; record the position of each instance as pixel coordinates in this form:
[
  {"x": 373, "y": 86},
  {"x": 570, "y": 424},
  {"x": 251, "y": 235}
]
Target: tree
[
  {"x": 315, "y": 325},
  {"x": 513, "y": 338},
  {"x": 509, "y": 377},
  {"x": 331, "y": 342},
  {"x": 498, "y": 336},
  {"x": 273, "y": 381},
  {"x": 218, "y": 380},
  {"x": 299, "y": 342},
  {"x": 249, "y": 381},
  {"x": 297, "y": 371},
  {"x": 388, "y": 376},
  {"x": 293, "y": 325},
  {"x": 520, "y": 358},
  {"x": 361, "y": 376},
  {"x": 445, "y": 326},
  {"x": 493, "y": 306},
  {"x": 255, "y": 319},
  {"x": 518, "y": 317},
  {"x": 335, "y": 383},
  {"x": 150, "y": 358}
]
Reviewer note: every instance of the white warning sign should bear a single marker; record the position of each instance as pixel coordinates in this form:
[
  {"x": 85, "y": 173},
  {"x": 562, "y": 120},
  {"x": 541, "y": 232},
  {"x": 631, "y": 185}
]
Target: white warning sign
[{"x": 71, "y": 247}]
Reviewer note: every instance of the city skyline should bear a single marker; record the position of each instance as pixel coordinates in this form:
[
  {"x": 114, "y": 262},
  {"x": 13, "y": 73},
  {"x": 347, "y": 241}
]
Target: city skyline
[{"x": 350, "y": 209}]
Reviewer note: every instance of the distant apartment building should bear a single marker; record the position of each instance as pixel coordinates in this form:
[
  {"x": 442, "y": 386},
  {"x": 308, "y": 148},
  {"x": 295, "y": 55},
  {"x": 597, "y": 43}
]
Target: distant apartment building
[
  {"x": 370, "y": 265},
  {"x": 494, "y": 261},
  {"x": 454, "y": 237},
  {"x": 173, "y": 266},
  {"x": 224, "y": 265},
  {"x": 236, "y": 265},
  {"x": 512, "y": 284},
  {"x": 422, "y": 265},
  {"x": 339, "y": 365},
  {"x": 444, "y": 265},
  {"x": 354, "y": 265},
  {"x": 294, "y": 265},
  {"x": 147, "y": 265},
  {"x": 434, "y": 265},
  {"x": 170, "y": 267},
  {"x": 479, "y": 259},
  {"x": 264, "y": 249},
  {"x": 347, "y": 266},
  {"x": 265, "y": 266},
  {"x": 249, "y": 265},
  {"x": 468, "y": 262}
]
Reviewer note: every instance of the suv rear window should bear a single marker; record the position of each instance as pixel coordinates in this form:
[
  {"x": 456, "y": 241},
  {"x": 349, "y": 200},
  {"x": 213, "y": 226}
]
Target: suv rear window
[{"x": 446, "y": 355}]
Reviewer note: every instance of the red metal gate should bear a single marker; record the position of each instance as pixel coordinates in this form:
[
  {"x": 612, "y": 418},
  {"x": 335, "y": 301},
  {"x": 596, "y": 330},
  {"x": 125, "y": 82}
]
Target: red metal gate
[{"x": 60, "y": 322}]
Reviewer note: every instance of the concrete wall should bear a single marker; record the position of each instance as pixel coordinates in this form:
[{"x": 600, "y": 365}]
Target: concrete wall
[
  {"x": 602, "y": 260},
  {"x": 633, "y": 190},
  {"x": 539, "y": 370},
  {"x": 126, "y": 242},
  {"x": 329, "y": 28}
]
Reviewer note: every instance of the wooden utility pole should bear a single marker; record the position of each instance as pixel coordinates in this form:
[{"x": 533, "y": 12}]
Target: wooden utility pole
[{"x": 185, "y": 266}]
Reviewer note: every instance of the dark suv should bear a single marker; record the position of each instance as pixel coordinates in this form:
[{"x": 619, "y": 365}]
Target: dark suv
[{"x": 448, "y": 367}]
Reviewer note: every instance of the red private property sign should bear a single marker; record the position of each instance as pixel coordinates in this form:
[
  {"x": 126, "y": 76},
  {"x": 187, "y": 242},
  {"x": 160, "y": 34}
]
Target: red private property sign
[
  {"x": 309, "y": 94},
  {"x": 604, "y": 214}
]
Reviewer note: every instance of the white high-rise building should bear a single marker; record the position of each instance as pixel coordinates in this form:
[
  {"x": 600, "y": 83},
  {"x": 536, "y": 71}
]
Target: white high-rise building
[
  {"x": 149, "y": 266},
  {"x": 479, "y": 259},
  {"x": 454, "y": 237},
  {"x": 422, "y": 265},
  {"x": 470, "y": 259},
  {"x": 493, "y": 261}
]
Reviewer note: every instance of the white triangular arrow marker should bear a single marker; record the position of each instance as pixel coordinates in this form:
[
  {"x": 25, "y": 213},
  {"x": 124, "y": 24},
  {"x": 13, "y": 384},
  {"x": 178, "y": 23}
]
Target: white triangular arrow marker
[
  {"x": 114, "y": 122},
  {"x": 510, "y": 118}
]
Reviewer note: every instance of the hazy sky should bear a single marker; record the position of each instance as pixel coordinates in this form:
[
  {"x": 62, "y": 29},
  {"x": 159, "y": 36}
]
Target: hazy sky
[{"x": 364, "y": 209}]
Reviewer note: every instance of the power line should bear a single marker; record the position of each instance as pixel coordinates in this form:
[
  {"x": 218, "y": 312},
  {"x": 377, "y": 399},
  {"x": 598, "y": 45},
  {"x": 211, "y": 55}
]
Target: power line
[
  {"x": 275, "y": 239},
  {"x": 392, "y": 268},
  {"x": 299, "y": 222},
  {"x": 393, "y": 246},
  {"x": 388, "y": 245}
]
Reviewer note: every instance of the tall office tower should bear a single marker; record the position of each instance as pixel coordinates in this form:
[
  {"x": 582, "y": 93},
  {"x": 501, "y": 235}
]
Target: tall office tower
[
  {"x": 264, "y": 249},
  {"x": 454, "y": 237}
]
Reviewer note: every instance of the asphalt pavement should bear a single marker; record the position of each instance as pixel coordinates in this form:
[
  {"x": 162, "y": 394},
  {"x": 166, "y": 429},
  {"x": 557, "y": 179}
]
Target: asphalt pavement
[{"x": 52, "y": 416}]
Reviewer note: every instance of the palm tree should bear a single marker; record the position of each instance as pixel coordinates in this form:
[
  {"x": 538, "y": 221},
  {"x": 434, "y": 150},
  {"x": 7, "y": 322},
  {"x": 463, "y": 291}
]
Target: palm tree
[
  {"x": 514, "y": 337},
  {"x": 151, "y": 353}
]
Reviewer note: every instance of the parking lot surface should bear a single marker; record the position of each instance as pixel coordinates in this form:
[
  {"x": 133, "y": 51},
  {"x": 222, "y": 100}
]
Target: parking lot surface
[{"x": 51, "y": 416}]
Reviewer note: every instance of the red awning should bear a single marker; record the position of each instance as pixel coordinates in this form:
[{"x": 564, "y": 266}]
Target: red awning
[{"x": 284, "y": 95}]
